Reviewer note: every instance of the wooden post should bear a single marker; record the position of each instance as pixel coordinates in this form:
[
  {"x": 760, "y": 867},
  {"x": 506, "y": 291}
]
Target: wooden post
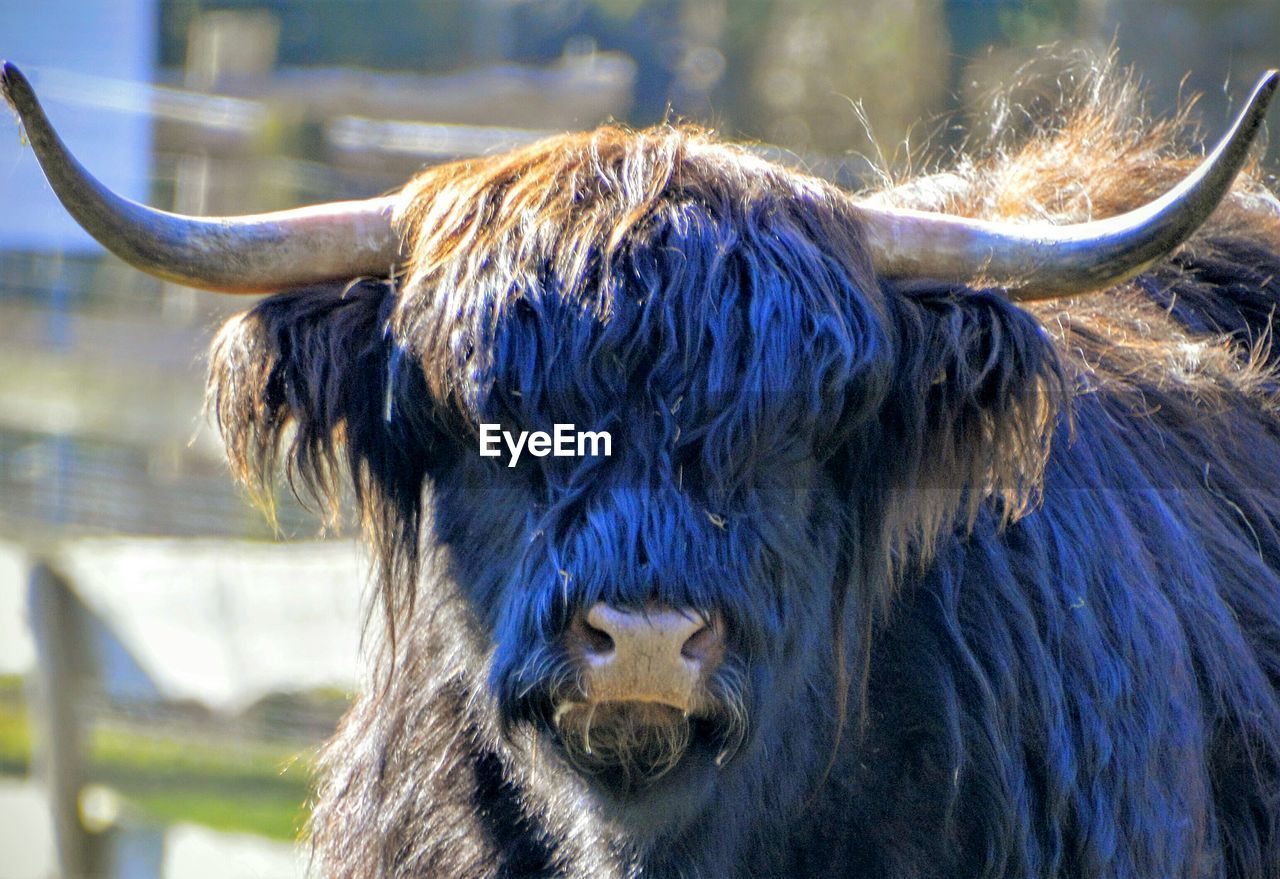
[{"x": 63, "y": 670}]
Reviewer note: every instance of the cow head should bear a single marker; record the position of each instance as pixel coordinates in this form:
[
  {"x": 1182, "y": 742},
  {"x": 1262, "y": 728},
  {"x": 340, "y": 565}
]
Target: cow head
[{"x": 670, "y": 616}]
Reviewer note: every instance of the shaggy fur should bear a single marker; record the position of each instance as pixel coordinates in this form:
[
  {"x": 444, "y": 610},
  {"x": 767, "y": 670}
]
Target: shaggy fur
[{"x": 1001, "y": 584}]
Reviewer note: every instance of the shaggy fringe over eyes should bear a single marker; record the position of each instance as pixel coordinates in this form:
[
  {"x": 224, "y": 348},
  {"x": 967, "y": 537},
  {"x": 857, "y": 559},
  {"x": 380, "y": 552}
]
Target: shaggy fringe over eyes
[
  {"x": 586, "y": 220},
  {"x": 307, "y": 373}
]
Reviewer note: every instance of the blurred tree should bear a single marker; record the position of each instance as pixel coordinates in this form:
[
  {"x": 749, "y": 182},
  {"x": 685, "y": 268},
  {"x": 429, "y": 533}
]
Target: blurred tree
[
  {"x": 380, "y": 34},
  {"x": 1182, "y": 47},
  {"x": 976, "y": 25},
  {"x": 650, "y": 32},
  {"x": 817, "y": 60},
  {"x": 785, "y": 71}
]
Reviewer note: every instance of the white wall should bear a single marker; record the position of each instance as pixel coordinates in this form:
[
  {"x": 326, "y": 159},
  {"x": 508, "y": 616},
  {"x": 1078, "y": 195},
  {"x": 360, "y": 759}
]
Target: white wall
[{"x": 17, "y": 648}]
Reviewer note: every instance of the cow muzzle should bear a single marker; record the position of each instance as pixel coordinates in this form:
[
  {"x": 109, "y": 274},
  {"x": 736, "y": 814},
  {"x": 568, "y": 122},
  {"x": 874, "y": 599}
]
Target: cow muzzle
[{"x": 644, "y": 692}]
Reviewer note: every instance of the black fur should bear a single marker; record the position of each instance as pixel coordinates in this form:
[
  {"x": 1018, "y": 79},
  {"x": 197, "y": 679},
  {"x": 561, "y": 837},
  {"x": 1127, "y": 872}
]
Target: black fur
[{"x": 1002, "y": 584}]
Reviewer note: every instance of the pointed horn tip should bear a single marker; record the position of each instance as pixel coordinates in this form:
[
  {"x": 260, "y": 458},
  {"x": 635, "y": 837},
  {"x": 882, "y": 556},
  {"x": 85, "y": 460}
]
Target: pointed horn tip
[
  {"x": 1264, "y": 91},
  {"x": 9, "y": 75},
  {"x": 1252, "y": 116},
  {"x": 1266, "y": 87},
  {"x": 15, "y": 88}
]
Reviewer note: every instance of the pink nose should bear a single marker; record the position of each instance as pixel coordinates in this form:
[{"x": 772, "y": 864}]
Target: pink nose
[{"x": 656, "y": 655}]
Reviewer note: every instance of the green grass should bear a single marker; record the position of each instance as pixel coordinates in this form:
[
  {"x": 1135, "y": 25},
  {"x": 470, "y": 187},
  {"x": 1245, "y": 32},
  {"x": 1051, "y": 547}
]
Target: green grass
[
  {"x": 233, "y": 785},
  {"x": 15, "y": 741},
  {"x": 275, "y": 815},
  {"x": 236, "y": 786},
  {"x": 125, "y": 751}
]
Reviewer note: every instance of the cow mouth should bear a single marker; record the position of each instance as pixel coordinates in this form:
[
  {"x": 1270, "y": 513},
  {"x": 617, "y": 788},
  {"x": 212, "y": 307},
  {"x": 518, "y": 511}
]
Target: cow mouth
[{"x": 628, "y": 747}]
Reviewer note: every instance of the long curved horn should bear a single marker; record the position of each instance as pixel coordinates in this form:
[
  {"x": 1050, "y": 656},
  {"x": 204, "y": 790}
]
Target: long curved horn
[
  {"x": 259, "y": 253},
  {"x": 1044, "y": 261}
]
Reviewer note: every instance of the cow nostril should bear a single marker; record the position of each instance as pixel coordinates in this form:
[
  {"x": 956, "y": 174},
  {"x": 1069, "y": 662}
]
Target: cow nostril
[
  {"x": 596, "y": 640},
  {"x": 703, "y": 646},
  {"x": 589, "y": 638}
]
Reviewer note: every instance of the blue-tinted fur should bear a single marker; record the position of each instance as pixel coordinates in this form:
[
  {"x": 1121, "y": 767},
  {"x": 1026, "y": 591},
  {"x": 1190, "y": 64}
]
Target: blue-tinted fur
[{"x": 1068, "y": 671}]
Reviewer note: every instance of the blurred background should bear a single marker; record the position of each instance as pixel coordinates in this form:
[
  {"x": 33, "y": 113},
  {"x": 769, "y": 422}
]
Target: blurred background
[{"x": 168, "y": 664}]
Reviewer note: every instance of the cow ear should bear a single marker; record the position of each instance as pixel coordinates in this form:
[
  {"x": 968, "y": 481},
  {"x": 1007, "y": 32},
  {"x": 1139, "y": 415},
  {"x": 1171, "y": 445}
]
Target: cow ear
[
  {"x": 975, "y": 399},
  {"x": 305, "y": 383}
]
